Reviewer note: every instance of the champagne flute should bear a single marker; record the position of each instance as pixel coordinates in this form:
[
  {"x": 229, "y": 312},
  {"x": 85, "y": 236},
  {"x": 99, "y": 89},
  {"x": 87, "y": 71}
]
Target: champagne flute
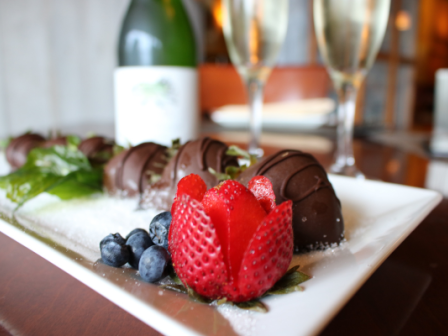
[
  {"x": 349, "y": 34},
  {"x": 254, "y": 31}
]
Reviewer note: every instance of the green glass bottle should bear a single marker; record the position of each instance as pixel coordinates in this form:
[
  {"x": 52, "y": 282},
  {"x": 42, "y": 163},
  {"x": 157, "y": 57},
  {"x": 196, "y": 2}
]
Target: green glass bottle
[{"x": 156, "y": 81}]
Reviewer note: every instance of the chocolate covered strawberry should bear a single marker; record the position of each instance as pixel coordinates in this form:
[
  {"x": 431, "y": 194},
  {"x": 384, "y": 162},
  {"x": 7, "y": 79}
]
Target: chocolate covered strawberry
[{"x": 231, "y": 243}]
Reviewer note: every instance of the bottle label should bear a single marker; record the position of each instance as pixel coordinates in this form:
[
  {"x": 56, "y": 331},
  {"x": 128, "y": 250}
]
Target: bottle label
[{"x": 158, "y": 104}]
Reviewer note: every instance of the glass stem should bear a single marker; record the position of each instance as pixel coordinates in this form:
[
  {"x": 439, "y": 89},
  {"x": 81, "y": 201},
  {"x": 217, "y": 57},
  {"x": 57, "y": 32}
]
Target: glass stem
[
  {"x": 255, "y": 94},
  {"x": 346, "y": 118}
]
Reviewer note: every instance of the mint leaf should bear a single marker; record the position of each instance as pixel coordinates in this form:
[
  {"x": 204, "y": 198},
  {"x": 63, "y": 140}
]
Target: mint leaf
[
  {"x": 22, "y": 188},
  {"x": 73, "y": 141},
  {"x": 63, "y": 171},
  {"x": 77, "y": 184},
  {"x": 59, "y": 160}
]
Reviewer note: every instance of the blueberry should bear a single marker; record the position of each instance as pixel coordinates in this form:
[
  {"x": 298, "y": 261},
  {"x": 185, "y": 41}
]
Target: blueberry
[
  {"x": 135, "y": 231},
  {"x": 114, "y": 254},
  {"x": 115, "y": 237},
  {"x": 138, "y": 242},
  {"x": 159, "y": 228},
  {"x": 154, "y": 264}
]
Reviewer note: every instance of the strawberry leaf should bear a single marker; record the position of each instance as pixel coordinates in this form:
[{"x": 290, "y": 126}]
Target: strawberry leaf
[
  {"x": 254, "y": 305},
  {"x": 221, "y": 301},
  {"x": 175, "y": 278},
  {"x": 289, "y": 283},
  {"x": 197, "y": 297}
]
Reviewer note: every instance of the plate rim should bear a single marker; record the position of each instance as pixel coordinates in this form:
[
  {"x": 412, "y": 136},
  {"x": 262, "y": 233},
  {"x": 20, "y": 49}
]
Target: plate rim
[{"x": 164, "y": 323}]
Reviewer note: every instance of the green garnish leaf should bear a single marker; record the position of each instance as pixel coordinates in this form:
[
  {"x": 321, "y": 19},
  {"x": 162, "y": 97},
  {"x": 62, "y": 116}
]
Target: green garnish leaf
[
  {"x": 153, "y": 177},
  {"x": 58, "y": 160},
  {"x": 175, "y": 278},
  {"x": 63, "y": 171},
  {"x": 172, "y": 151},
  {"x": 5, "y": 142},
  {"x": 80, "y": 183},
  {"x": 73, "y": 141},
  {"x": 23, "y": 187},
  {"x": 254, "y": 305},
  {"x": 236, "y": 151},
  {"x": 234, "y": 172},
  {"x": 219, "y": 176},
  {"x": 221, "y": 301},
  {"x": 289, "y": 282},
  {"x": 117, "y": 149},
  {"x": 197, "y": 297},
  {"x": 231, "y": 173}
]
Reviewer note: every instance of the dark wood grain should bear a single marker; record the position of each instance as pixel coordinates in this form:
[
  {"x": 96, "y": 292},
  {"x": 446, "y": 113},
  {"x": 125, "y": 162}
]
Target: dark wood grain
[
  {"x": 38, "y": 299},
  {"x": 407, "y": 295}
]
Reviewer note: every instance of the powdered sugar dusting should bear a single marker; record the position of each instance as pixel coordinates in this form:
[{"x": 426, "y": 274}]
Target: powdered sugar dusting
[
  {"x": 242, "y": 321},
  {"x": 80, "y": 223}
]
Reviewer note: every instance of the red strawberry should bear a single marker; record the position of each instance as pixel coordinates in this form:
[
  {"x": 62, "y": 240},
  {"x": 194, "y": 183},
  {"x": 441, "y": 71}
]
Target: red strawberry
[
  {"x": 196, "y": 251},
  {"x": 268, "y": 255},
  {"x": 236, "y": 214},
  {"x": 227, "y": 246},
  {"x": 192, "y": 185},
  {"x": 261, "y": 187}
]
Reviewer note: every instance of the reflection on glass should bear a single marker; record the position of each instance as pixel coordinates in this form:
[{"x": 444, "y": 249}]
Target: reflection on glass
[
  {"x": 254, "y": 31},
  {"x": 349, "y": 34}
]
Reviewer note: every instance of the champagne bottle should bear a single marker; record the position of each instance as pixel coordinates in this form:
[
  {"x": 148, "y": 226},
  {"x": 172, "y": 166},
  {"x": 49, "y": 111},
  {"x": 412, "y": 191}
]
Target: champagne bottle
[{"x": 156, "y": 81}]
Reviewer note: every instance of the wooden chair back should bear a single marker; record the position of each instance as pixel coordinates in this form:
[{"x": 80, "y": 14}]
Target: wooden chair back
[{"x": 221, "y": 85}]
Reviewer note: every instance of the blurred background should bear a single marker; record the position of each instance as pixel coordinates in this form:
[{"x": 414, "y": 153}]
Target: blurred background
[{"x": 57, "y": 60}]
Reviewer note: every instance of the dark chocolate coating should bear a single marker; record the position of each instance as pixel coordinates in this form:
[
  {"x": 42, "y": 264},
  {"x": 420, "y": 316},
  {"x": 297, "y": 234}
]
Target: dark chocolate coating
[
  {"x": 18, "y": 149},
  {"x": 195, "y": 157},
  {"x": 60, "y": 141},
  {"x": 297, "y": 176},
  {"x": 130, "y": 170},
  {"x": 110, "y": 172},
  {"x": 95, "y": 146}
]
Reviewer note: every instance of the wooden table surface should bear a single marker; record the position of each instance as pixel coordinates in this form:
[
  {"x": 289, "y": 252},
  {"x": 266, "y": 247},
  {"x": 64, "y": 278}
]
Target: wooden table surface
[{"x": 407, "y": 295}]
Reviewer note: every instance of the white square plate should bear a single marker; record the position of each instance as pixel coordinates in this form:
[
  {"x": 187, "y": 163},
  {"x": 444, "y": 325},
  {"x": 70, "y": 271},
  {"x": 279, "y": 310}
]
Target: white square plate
[{"x": 378, "y": 217}]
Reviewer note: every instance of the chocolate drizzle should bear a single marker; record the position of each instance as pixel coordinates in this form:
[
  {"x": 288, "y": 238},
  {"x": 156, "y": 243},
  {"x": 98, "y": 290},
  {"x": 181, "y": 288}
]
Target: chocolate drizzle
[
  {"x": 285, "y": 155},
  {"x": 316, "y": 187},
  {"x": 205, "y": 143},
  {"x": 297, "y": 176},
  {"x": 130, "y": 171},
  {"x": 195, "y": 157},
  {"x": 173, "y": 172}
]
